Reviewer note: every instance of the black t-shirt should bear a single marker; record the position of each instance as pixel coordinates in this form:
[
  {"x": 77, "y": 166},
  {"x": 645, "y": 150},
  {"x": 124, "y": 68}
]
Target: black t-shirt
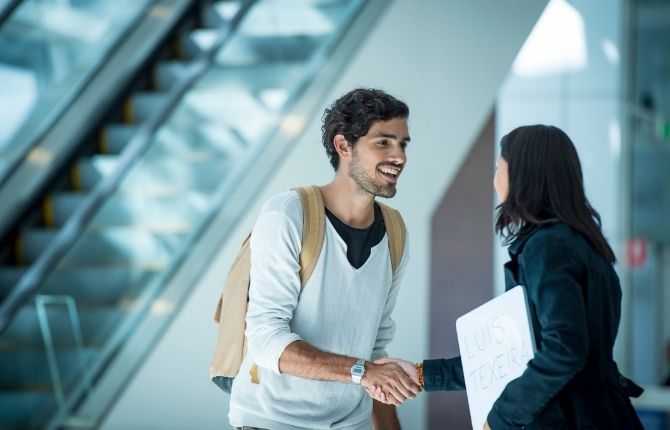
[{"x": 359, "y": 240}]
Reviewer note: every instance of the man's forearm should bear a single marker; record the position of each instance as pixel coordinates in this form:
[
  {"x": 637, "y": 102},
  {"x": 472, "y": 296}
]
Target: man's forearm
[
  {"x": 302, "y": 359},
  {"x": 384, "y": 417}
]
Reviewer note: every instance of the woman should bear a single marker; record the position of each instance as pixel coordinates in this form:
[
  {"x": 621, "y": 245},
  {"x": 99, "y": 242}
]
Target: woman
[{"x": 558, "y": 252}]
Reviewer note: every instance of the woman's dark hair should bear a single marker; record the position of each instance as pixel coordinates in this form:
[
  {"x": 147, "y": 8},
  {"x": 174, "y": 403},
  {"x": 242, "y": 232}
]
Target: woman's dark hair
[
  {"x": 353, "y": 114},
  {"x": 545, "y": 185}
]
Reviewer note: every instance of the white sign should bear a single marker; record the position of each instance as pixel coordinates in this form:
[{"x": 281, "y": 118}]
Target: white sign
[{"x": 496, "y": 343}]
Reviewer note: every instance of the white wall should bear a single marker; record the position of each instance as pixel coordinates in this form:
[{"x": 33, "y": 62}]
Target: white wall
[{"x": 446, "y": 59}]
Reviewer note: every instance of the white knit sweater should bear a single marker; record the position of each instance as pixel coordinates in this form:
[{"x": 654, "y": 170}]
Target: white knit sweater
[{"x": 341, "y": 310}]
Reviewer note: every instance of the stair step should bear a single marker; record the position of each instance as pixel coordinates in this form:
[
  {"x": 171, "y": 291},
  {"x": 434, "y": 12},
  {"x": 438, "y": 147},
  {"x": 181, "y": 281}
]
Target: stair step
[
  {"x": 113, "y": 246},
  {"x": 216, "y": 17},
  {"x": 227, "y": 9},
  {"x": 28, "y": 369},
  {"x": 233, "y": 106},
  {"x": 25, "y": 410},
  {"x": 219, "y": 14},
  {"x": 198, "y": 175},
  {"x": 203, "y": 174},
  {"x": 261, "y": 51},
  {"x": 160, "y": 215},
  {"x": 187, "y": 133},
  {"x": 168, "y": 73},
  {"x": 267, "y": 84},
  {"x": 257, "y": 79},
  {"x": 303, "y": 29},
  {"x": 116, "y": 136},
  {"x": 97, "y": 324},
  {"x": 142, "y": 105},
  {"x": 298, "y": 19},
  {"x": 88, "y": 172},
  {"x": 196, "y": 42},
  {"x": 99, "y": 286},
  {"x": 190, "y": 142}
]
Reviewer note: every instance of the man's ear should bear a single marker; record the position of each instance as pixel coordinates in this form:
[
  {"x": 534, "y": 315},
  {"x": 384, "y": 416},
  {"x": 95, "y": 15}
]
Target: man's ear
[{"x": 342, "y": 147}]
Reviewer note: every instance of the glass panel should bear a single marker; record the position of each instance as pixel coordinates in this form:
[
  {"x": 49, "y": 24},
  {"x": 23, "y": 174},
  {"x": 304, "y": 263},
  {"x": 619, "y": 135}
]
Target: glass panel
[
  {"x": 127, "y": 253},
  {"x": 150, "y": 223},
  {"x": 648, "y": 248},
  {"x": 48, "y": 49}
]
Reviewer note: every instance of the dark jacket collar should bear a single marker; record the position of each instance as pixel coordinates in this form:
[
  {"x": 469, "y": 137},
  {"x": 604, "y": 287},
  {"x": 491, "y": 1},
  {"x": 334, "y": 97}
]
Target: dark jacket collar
[{"x": 516, "y": 247}]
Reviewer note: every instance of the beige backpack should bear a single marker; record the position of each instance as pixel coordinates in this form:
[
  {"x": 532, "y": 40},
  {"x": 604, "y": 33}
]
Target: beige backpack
[{"x": 232, "y": 307}]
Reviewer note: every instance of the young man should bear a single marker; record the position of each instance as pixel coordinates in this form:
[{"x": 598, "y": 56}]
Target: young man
[{"x": 308, "y": 346}]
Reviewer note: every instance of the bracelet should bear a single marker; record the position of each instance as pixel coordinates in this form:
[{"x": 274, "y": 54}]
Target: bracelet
[{"x": 419, "y": 372}]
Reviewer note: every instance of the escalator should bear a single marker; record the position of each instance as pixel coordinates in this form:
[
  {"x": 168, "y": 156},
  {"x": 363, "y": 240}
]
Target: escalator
[
  {"x": 106, "y": 200},
  {"x": 49, "y": 50}
]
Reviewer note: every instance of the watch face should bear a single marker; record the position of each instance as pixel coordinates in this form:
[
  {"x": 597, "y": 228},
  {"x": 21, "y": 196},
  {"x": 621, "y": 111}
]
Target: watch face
[{"x": 358, "y": 370}]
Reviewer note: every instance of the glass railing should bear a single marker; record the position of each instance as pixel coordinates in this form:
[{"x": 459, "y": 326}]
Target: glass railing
[
  {"x": 110, "y": 279},
  {"x": 48, "y": 51}
]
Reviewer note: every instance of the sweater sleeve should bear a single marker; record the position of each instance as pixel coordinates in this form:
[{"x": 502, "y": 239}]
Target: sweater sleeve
[
  {"x": 386, "y": 330},
  {"x": 551, "y": 276},
  {"x": 274, "y": 287}
]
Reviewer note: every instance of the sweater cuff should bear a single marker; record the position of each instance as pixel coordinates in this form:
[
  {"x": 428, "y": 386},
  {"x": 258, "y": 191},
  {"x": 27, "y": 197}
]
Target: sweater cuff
[
  {"x": 378, "y": 353},
  {"x": 269, "y": 358}
]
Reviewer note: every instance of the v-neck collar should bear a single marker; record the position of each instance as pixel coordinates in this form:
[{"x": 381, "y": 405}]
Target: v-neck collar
[{"x": 338, "y": 238}]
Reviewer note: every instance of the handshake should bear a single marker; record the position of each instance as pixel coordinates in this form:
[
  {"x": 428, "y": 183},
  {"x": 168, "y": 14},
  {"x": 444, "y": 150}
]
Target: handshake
[{"x": 391, "y": 380}]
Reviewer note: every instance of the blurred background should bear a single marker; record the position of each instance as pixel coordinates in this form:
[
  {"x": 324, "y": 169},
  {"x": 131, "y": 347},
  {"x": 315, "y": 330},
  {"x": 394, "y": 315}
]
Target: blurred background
[{"x": 138, "y": 139}]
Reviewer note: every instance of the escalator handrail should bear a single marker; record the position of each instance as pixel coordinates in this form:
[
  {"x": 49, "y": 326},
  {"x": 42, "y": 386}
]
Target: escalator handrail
[
  {"x": 8, "y": 9},
  {"x": 32, "y": 280},
  {"x": 43, "y": 129}
]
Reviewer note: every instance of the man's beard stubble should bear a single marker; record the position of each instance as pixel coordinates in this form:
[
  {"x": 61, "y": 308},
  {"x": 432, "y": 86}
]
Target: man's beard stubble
[{"x": 365, "y": 184}]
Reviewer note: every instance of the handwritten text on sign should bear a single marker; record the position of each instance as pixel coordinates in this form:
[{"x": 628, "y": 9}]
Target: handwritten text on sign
[
  {"x": 496, "y": 344},
  {"x": 490, "y": 345}
]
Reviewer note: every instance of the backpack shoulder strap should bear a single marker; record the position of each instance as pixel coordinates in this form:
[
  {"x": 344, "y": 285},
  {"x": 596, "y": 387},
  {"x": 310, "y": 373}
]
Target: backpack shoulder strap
[
  {"x": 395, "y": 229},
  {"x": 313, "y": 229},
  {"x": 240, "y": 265}
]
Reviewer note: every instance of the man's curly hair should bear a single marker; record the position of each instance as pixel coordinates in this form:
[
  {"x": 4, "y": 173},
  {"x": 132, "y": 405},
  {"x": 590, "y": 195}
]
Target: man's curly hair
[{"x": 353, "y": 114}]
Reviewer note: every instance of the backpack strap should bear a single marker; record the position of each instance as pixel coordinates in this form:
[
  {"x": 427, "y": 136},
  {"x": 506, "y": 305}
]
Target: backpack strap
[
  {"x": 395, "y": 229},
  {"x": 241, "y": 263},
  {"x": 314, "y": 224},
  {"x": 313, "y": 229}
]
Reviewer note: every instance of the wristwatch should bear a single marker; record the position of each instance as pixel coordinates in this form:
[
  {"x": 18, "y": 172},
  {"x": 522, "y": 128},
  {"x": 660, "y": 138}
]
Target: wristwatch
[{"x": 358, "y": 371}]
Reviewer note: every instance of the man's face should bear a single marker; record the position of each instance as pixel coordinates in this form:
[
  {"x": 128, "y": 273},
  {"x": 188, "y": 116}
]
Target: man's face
[{"x": 379, "y": 157}]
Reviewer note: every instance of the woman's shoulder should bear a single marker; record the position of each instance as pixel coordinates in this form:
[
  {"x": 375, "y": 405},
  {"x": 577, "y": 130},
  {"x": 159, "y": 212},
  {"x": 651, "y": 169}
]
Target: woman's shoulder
[
  {"x": 554, "y": 230},
  {"x": 555, "y": 237}
]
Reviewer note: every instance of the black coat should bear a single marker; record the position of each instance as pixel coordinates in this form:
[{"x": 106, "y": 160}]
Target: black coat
[{"x": 575, "y": 306}]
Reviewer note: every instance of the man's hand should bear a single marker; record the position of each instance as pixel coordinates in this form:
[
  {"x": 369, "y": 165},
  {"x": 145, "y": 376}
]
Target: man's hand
[
  {"x": 486, "y": 426},
  {"x": 389, "y": 383},
  {"x": 408, "y": 367},
  {"x": 378, "y": 393}
]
